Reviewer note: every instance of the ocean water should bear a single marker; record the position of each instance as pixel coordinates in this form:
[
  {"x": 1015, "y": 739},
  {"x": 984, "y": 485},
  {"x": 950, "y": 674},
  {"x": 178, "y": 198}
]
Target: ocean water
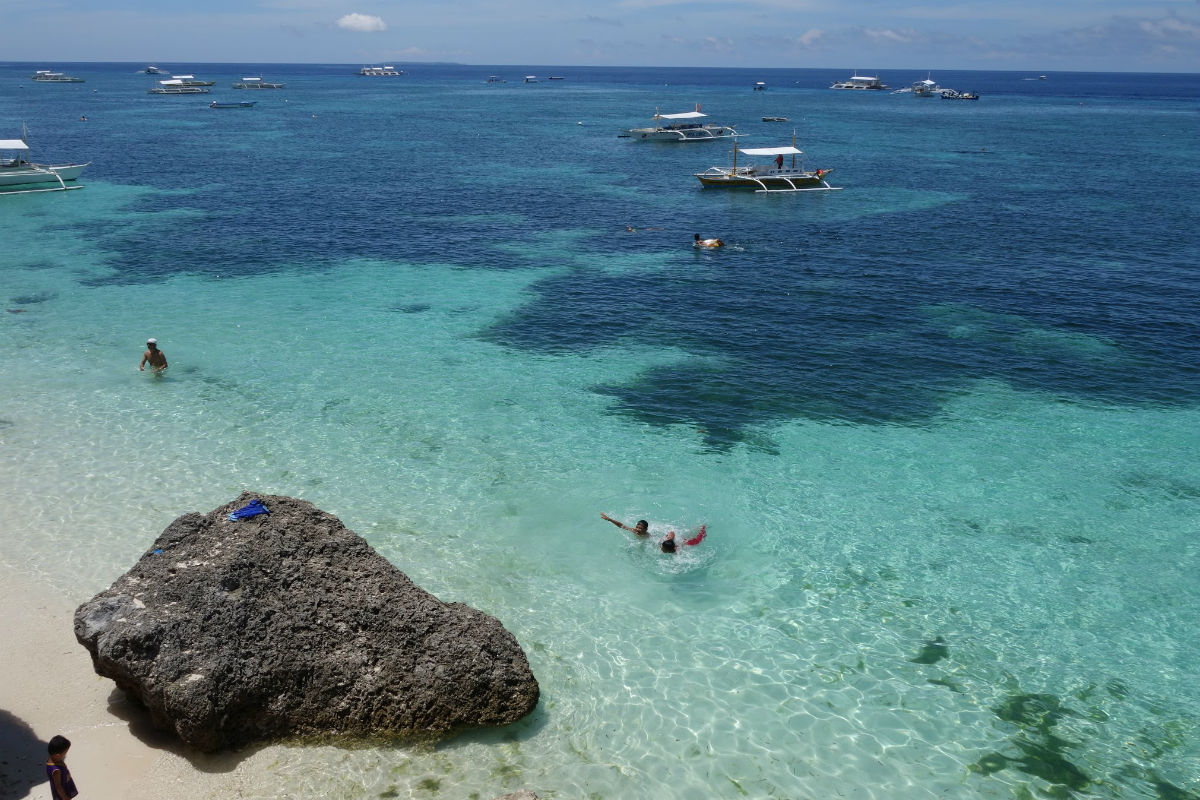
[{"x": 941, "y": 425}]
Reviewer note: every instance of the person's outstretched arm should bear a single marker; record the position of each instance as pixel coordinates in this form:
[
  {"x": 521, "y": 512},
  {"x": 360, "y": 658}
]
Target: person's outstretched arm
[{"x": 616, "y": 522}]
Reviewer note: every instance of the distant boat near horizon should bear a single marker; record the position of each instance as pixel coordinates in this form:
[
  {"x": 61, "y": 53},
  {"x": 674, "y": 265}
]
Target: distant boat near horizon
[
  {"x": 190, "y": 80},
  {"x": 47, "y": 76},
  {"x": 384, "y": 71},
  {"x": 860, "y": 83},
  {"x": 256, "y": 83},
  {"x": 177, "y": 86}
]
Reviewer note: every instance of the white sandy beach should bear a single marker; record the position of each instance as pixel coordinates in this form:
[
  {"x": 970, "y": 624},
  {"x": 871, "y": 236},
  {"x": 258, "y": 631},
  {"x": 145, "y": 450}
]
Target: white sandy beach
[{"x": 49, "y": 687}]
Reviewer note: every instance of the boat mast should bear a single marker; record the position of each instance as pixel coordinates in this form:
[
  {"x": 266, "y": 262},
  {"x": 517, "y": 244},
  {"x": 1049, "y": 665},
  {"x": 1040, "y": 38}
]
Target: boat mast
[{"x": 793, "y": 147}]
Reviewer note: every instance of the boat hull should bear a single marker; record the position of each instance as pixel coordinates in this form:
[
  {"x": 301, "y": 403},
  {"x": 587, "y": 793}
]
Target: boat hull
[
  {"x": 29, "y": 174},
  {"x": 764, "y": 180},
  {"x": 699, "y": 133}
]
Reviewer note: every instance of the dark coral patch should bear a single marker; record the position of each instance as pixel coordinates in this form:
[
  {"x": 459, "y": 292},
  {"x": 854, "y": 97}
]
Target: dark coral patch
[{"x": 933, "y": 652}]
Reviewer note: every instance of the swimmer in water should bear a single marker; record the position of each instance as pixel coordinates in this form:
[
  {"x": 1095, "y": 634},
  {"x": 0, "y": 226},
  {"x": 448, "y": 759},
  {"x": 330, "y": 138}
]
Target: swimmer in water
[
  {"x": 668, "y": 544},
  {"x": 698, "y": 242},
  {"x": 642, "y": 528}
]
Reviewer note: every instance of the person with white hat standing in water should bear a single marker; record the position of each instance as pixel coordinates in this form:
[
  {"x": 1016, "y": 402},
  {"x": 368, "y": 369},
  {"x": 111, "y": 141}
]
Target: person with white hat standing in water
[{"x": 155, "y": 357}]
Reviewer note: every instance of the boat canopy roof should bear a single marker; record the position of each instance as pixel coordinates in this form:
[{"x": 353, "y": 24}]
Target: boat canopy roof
[
  {"x": 172, "y": 82},
  {"x": 13, "y": 144},
  {"x": 770, "y": 151},
  {"x": 684, "y": 115}
]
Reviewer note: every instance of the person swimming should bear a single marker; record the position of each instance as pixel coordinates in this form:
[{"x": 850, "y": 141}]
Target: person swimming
[
  {"x": 668, "y": 544},
  {"x": 642, "y": 528},
  {"x": 698, "y": 242}
]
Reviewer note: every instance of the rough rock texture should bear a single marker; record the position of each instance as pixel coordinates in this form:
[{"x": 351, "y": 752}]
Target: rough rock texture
[{"x": 292, "y": 625}]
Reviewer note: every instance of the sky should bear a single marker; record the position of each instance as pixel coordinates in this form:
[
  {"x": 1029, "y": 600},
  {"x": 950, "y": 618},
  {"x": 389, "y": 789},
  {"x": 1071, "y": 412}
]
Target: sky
[{"x": 855, "y": 35}]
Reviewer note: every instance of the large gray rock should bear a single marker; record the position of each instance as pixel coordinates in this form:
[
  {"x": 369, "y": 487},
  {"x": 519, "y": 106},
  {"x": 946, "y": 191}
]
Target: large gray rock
[{"x": 292, "y": 625}]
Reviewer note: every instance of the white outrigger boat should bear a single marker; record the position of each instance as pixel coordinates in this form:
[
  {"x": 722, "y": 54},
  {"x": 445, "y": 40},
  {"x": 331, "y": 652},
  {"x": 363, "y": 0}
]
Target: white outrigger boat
[
  {"x": 861, "y": 83},
  {"x": 17, "y": 171},
  {"x": 925, "y": 88},
  {"x": 178, "y": 86},
  {"x": 680, "y": 128},
  {"x": 380, "y": 72},
  {"x": 46, "y": 76},
  {"x": 256, "y": 83},
  {"x": 770, "y": 177},
  {"x": 191, "y": 80}
]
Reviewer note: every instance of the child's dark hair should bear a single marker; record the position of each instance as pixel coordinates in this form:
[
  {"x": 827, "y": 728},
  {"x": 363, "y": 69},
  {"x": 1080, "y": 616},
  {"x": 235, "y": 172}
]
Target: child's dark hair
[
  {"x": 668, "y": 545},
  {"x": 58, "y": 745}
]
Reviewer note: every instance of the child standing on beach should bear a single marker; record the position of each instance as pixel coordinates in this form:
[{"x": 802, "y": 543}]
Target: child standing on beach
[{"x": 62, "y": 786}]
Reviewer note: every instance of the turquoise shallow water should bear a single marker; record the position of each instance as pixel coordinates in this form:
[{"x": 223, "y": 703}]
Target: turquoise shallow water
[{"x": 941, "y": 425}]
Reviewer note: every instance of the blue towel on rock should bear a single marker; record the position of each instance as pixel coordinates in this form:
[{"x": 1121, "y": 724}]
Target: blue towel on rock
[{"x": 252, "y": 509}]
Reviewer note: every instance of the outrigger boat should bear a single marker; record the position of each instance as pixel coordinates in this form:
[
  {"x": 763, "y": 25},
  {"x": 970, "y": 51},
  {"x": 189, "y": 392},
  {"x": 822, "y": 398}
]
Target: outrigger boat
[
  {"x": 190, "y": 80},
  {"x": 680, "y": 128},
  {"x": 177, "y": 86},
  {"x": 925, "y": 88},
  {"x": 46, "y": 76},
  {"x": 861, "y": 83},
  {"x": 256, "y": 83},
  {"x": 767, "y": 177},
  {"x": 26, "y": 177}
]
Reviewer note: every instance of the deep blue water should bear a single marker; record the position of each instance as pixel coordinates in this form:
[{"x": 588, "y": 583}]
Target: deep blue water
[{"x": 1067, "y": 203}]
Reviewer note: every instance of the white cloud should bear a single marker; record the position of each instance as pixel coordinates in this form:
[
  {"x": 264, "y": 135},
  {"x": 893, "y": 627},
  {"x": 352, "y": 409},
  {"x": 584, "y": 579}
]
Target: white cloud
[
  {"x": 1170, "y": 27},
  {"x": 363, "y": 23},
  {"x": 888, "y": 35},
  {"x": 810, "y": 37}
]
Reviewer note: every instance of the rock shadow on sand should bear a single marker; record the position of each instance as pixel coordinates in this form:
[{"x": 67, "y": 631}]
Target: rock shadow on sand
[
  {"x": 133, "y": 714},
  {"x": 22, "y": 754}
]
